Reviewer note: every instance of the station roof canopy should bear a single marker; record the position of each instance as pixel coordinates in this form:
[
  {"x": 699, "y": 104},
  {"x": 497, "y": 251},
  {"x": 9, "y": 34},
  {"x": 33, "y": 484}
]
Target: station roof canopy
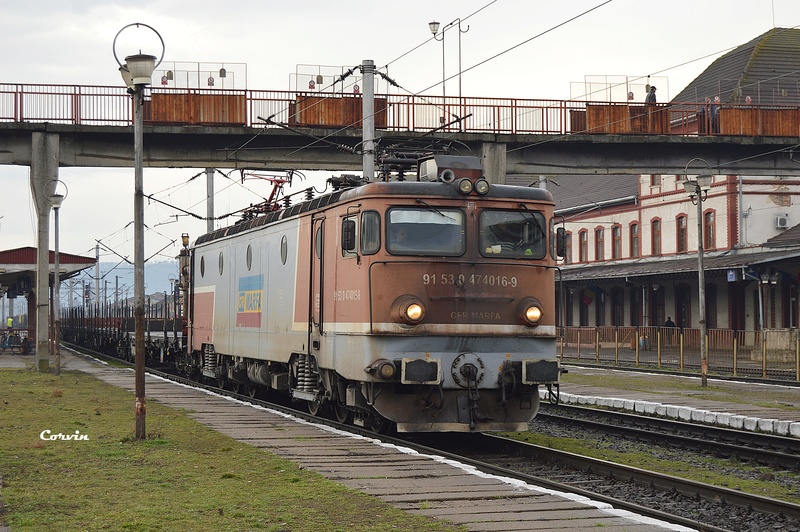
[
  {"x": 786, "y": 260},
  {"x": 18, "y": 268}
]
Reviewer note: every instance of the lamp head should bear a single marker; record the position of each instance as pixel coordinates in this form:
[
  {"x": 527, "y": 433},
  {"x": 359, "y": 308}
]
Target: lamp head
[
  {"x": 141, "y": 67},
  {"x": 185, "y": 239},
  {"x": 704, "y": 181},
  {"x": 56, "y": 200},
  {"x": 434, "y": 26}
]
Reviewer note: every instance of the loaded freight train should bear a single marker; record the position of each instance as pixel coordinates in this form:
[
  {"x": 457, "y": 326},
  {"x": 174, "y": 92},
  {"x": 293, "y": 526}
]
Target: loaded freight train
[{"x": 427, "y": 304}]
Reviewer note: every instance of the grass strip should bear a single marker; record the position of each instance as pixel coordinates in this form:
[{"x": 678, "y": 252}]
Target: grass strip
[{"x": 184, "y": 476}]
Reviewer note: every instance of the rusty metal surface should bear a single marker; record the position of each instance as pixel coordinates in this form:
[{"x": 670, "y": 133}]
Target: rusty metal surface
[{"x": 108, "y": 105}]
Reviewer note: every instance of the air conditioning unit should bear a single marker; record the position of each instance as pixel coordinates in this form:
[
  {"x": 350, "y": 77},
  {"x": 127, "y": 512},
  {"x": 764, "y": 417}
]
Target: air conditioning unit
[{"x": 781, "y": 221}]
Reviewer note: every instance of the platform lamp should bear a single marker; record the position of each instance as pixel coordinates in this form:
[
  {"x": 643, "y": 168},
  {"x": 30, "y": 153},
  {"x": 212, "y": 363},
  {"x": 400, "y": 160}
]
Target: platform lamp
[
  {"x": 137, "y": 73},
  {"x": 56, "y": 200},
  {"x": 697, "y": 189}
]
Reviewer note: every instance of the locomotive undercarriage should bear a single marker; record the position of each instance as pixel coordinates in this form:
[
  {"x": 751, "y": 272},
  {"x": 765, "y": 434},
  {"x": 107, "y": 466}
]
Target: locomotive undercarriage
[
  {"x": 508, "y": 406},
  {"x": 323, "y": 390}
]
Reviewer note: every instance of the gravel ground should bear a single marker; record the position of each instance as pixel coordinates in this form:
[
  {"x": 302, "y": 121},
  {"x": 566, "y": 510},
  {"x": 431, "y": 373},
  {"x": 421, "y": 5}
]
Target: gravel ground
[{"x": 712, "y": 513}]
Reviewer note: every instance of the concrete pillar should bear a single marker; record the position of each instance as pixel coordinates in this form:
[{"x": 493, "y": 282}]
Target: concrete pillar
[
  {"x": 209, "y": 200},
  {"x": 368, "y": 119},
  {"x": 493, "y": 159},
  {"x": 44, "y": 174}
]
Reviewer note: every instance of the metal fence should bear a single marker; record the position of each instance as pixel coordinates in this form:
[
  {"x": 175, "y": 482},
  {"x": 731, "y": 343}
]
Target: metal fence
[
  {"x": 105, "y": 105},
  {"x": 767, "y": 354}
]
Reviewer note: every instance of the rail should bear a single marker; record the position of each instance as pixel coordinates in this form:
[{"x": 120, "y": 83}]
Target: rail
[
  {"x": 111, "y": 106},
  {"x": 766, "y": 354}
]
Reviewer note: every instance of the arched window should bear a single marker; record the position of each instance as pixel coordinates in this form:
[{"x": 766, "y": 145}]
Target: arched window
[
  {"x": 568, "y": 248},
  {"x": 616, "y": 242},
  {"x": 655, "y": 237},
  {"x": 583, "y": 246},
  {"x": 599, "y": 243},
  {"x": 680, "y": 236},
  {"x": 634, "y": 239},
  {"x": 709, "y": 230}
]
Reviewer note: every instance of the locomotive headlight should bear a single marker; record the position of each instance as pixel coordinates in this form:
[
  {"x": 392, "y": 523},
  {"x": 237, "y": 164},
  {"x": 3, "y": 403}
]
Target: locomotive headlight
[
  {"x": 530, "y": 312},
  {"x": 408, "y": 309},
  {"x": 382, "y": 368},
  {"x": 533, "y": 314},
  {"x": 464, "y": 186},
  {"x": 415, "y": 312},
  {"x": 481, "y": 186}
]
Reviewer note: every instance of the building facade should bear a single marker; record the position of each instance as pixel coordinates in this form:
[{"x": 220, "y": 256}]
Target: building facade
[{"x": 633, "y": 256}]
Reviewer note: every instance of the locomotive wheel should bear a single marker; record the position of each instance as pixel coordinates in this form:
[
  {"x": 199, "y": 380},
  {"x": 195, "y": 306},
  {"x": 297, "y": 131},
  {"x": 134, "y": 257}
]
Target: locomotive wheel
[
  {"x": 342, "y": 413},
  {"x": 252, "y": 391},
  {"x": 315, "y": 408},
  {"x": 379, "y": 424},
  {"x": 236, "y": 387}
]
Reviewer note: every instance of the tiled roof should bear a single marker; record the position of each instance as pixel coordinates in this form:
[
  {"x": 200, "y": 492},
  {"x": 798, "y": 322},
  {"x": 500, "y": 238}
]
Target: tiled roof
[
  {"x": 767, "y": 69},
  {"x": 788, "y": 238},
  {"x": 575, "y": 191}
]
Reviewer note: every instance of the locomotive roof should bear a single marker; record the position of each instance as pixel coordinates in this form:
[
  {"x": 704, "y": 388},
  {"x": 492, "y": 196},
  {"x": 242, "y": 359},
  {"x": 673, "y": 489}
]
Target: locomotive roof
[{"x": 414, "y": 189}]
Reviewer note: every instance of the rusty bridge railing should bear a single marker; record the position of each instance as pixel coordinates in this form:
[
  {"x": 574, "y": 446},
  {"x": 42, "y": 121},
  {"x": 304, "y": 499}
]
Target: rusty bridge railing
[{"x": 111, "y": 106}]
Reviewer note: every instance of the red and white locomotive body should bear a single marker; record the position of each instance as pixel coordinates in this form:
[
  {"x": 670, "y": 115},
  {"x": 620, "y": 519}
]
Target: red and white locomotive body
[{"x": 429, "y": 304}]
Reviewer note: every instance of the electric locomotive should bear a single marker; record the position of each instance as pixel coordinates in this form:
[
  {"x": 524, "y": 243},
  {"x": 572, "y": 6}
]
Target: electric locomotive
[{"x": 427, "y": 304}]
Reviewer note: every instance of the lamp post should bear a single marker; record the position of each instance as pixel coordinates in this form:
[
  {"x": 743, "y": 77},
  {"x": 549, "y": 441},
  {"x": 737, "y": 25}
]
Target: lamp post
[
  {"x": 434, "y": 27},
  {"x": 698, "y": 190},
  {"x": 137, "y": 72},
  {"x": 56, "y": 200}
]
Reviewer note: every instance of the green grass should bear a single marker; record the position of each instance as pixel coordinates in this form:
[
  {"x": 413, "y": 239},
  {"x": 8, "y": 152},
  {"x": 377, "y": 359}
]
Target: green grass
[{"x": 184, "y": 476}]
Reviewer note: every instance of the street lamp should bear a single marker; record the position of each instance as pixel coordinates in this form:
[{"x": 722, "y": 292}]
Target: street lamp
[
  {"x": 137, "y": 72},
  {"x": 56, "y": 200},
  {"x": 698, "y": 191},
  {"x": 434, "y": 27}
]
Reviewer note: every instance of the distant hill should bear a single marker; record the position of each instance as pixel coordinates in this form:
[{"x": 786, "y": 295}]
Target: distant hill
[{"x": 113, "y": 275}]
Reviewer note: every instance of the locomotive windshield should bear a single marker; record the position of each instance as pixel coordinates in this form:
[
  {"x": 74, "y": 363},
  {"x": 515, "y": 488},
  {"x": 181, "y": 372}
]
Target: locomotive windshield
[
  {"x": 518, "y": 234},
  {"x": 425, "y": 231}
]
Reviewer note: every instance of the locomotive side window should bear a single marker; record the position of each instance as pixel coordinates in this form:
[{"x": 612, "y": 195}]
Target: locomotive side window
[
  {"x": 349, "y": 235},
  {"x": 425, "y": 231},
  {"x": 221, "y": 263},
  {"x": 370, "y": 232},
  {"x": 513, "y": 234},
  {"x": 318, "y": 243},
  {"x": 202, "y": 266},
  {"x": 284, "y": 249},
  {"x": 249, "y": 257}
]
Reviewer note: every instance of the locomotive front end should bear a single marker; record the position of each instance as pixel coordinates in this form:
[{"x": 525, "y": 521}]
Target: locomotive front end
[{"x": 462, "y": 308}]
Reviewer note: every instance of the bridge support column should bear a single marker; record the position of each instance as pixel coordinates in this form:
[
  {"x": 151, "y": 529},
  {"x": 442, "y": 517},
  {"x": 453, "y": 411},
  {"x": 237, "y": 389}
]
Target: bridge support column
[
  {"x": 44, "y": 174},
  {"x": 493, "y": 158}
]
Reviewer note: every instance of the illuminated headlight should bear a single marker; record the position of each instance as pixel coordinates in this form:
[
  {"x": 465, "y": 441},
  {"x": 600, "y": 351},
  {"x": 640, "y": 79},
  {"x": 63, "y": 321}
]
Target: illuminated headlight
[
  {"x": 464, "y": 186},
  {"x": 481, "y": 186},
  {"x": 408, "y": 309},
  {"x": 530, "y": 312},
  {"x": 414, "y": 312}
]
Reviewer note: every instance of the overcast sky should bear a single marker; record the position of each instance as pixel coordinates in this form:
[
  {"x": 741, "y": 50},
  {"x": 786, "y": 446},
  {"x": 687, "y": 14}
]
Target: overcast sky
[{"x": 70, "y": 42}]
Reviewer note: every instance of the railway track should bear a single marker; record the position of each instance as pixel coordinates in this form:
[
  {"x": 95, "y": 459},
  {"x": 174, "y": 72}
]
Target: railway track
[
  {"x": 764, "y": 449},
  {"x": 671, "y": 499},
  {"x": 668, "y": 497}
]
